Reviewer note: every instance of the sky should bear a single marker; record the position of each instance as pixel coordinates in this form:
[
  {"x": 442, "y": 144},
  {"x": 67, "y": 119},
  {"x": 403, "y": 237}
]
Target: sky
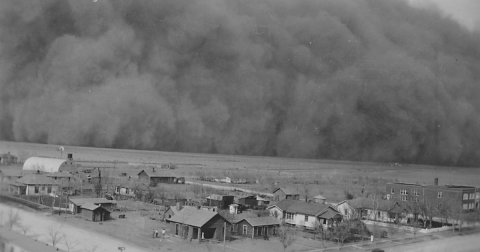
[
  {"x": 363, "y": 80},
  {"x": 464, "y": 11}
]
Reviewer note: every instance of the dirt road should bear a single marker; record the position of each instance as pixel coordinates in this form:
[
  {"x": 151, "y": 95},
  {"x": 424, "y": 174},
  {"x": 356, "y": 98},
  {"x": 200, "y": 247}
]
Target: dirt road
[
  {"x": 467, "y": 243},
  {"x": 83, "y": 240}
]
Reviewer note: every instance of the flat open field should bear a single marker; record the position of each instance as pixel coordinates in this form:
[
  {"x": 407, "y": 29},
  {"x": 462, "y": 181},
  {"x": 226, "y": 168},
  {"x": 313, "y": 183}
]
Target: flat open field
[{"x": 189, "y": 163}]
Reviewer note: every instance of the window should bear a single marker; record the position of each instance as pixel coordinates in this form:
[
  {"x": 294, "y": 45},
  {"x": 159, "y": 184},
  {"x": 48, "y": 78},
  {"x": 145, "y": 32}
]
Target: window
[
  {"x": 478, "y": 195},
  {"x": 244, "y": 229},
  {"x": 346, "y": 212},
  {"x": 36, "y": 189},
  {"x": 472, "y": 195},
  {"x": 306, "y": 218},
  {"x": 49, "y": 189},
  {"x": 471, "y": 206},
  {"x": 465, "y": 196},
  {"x": 404, "y": 198},
  {"x": 290, "y": 216},
  {"x": 440, "y": 195},
  {"x": 378, "y": 214},
  {"x": 403, "y": 192},
  {"x": 415, "y": 193},
  {"x": 465, "y": 206},
  {"x": 233, "y": 228},
  {"x": 393, "y": 191}
]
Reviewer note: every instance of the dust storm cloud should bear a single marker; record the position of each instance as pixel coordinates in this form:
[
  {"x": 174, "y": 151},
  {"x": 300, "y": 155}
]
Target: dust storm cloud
[{"x": 370, "y": 80}]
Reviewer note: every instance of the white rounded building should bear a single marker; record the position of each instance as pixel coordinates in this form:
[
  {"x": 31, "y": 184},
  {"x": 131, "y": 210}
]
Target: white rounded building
[{"x": 49, "y": 164}]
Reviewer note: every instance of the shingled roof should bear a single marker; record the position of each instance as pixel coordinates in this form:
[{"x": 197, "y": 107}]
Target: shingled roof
[
  {"x": 301, "y": 207},
  {"x": 262, "y": 221},
  {"x": 193, "y": 217},
  {"x": 287, "y": 191},
  {"x": 36, "y": 179}
]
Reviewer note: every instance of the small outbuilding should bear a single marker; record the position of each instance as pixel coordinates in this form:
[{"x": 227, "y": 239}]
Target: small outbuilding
[
  {"x": 284, "y": 193},
  {"x": 220, "y": 201},
  {"x": 319, "y": 199},
  {"x": 94, "y": 212},
  {"x": 75, "y": 204}
]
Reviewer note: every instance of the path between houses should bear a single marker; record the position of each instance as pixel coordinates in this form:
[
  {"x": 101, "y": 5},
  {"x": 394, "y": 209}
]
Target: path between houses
[{"x": 84, "y": 239}]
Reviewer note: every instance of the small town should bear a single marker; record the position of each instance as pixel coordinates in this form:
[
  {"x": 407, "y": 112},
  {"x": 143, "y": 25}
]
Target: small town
[
  {"x": 239, "y": 126},
  {"x": 156, "y": 205}
]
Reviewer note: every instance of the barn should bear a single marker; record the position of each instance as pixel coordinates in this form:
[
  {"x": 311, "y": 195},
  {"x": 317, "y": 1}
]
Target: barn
[{"x": 49, "y": 164}]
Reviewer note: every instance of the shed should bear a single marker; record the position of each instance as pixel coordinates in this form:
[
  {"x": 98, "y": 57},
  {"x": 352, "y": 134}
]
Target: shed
[
  {"x": 94, "y": 212},
  {"x": 319, "y": 199},
  {"x": 220, "y": 201},
  {"x": 196, "y": 224},
  {"x": 48, "y": 164},
  {"x": 76, "y": 204}
]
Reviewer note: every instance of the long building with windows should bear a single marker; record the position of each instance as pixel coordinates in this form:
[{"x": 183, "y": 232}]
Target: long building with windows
[{"x": 456, "y": 196}]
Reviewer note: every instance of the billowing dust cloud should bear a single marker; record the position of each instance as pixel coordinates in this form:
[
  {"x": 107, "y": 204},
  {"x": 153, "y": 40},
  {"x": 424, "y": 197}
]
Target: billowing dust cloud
[{"x": 352, "y": 80}]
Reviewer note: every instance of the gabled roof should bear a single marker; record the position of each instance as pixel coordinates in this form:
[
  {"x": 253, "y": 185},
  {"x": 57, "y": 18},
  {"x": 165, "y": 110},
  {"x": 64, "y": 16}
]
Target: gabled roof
[
  {"x": 262, "y": 221},
  {"x": 329, "y": 213},
  {"x": 301, "y": 207},
  {"x": 36, "y": 179},
  {"x": 194, "y": 217},
  {"x": 287, "y": 191},
  {"x": 62, "y": 174},
  {"x": 319, "y": 197},
  {"x": 83, "y": 201},
  {"x": 216, "y": 197},
  {"x": 158, "y": 173},
  {"x": 284, "y": 204}
]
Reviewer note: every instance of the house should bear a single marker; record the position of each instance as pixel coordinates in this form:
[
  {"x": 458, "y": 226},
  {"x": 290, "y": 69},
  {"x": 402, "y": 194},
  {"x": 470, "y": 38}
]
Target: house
[
  {"x": 8, "y": 159},
  {"x": 284, "y": 193},
  {"x": 344, "y": 209},
  {"x": 94, "y": 212},
  {"x": 456, "y": 196},
  {"x": 253, "y": 200},
  {"x": 193, "y": 224},
  {"x": 256, "y": 227},
  {"x": 152, "y": 177},
  {"x": 304, "y": 214},
  {"x": 170, "y": 200},
  {"x": 34, "y": 184},
  {"x": 319, "y": 199},
  {"x": 14, "y": 242},
  {"x": 378, "y": 209},
  {"x": 63, "y": 175},
  {"x": 172, "y": 210},
  {"x": 49, "y": 164},
  {"x": 131, "y": 189},
  {"x": 220, "y": 201},
  {"x": 75, "y": 204}
]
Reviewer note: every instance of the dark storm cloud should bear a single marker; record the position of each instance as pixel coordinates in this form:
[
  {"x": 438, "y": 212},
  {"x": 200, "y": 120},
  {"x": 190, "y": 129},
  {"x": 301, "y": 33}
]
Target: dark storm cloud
[{"x": 355, "y": 80}]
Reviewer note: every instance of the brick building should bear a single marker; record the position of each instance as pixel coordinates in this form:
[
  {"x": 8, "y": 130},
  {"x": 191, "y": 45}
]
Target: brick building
[{"x": 456, "y": 196}]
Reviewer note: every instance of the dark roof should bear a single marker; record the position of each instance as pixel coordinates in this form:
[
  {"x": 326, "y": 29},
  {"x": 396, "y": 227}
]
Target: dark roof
[
  {"x": 62, "y": 174},
  {"x": 36, "y": 179},
  {"x": 329, "y": 214},
  {"x": 92, "y": 207},
  {"x": 83, "y": 201},
  {"x": 296, "y": 206},
  {"x": 25, "y": 242},
  {"x": 193, "y": 217},
  {"x": 287, "y": 191},
  {"x": 7, "y": 155},
  {"x": 217, "y": 197},
  {"x": 158, "y": 173},
  {"x": 262, "y": 221},
  {"x": 284, "y": 204}
]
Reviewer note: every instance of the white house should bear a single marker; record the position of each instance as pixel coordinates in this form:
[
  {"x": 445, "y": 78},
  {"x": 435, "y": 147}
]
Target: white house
[{"x": 303, "y": 214}]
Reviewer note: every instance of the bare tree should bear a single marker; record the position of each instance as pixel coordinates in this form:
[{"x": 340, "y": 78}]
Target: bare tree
[
  {"x": 306, "y": 191},
  {"x": 69, "y": 243},
  {"x": 13, "y": 218},
  {"x": 24, "y": 227},
  {"x": 341, "y": 233},
  {"x": 317, "y": 227},
  {"x": 92, "y": 249},
  {"x": 285, "y": 236},
  {"x": 54, "y": 234},
  {"x": 197, "y": 189}
]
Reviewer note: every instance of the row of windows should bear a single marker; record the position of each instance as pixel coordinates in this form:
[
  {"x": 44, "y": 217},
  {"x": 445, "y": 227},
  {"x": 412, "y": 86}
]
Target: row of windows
[
  {"x": 467, "y": 196},
  {"x": 43, "y": 188},
  {"x": 468, "y": 206},
  {"x": 290, "y": 216},
  {"x": 405, "y": 192}
]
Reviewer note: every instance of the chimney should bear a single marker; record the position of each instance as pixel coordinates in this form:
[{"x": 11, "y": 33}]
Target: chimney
[
  {"x": 70, "y": 156},
  {"x": 435, "y": 182},
  {"x": 179, "y": 206}
]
